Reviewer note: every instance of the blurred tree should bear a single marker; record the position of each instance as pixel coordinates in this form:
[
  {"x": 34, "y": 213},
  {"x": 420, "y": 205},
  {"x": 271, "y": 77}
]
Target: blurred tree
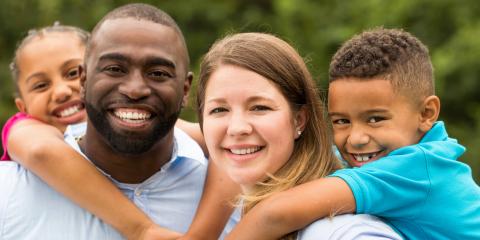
[{"x": 315, "y": 27}]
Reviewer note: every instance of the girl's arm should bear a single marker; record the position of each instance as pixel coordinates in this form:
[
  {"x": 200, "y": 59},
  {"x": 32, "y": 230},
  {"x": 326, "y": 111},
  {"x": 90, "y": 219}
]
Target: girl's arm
[
  {"x": 215, "y": 207},
  {"x": 294, "y": 209},
  {"x": 193, "y": 130},
  {"x": 40, "y": 148}
]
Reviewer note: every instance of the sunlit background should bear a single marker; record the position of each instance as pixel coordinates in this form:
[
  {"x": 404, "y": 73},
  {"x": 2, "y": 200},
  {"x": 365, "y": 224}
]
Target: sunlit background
[{"x": 451, "y": 29}]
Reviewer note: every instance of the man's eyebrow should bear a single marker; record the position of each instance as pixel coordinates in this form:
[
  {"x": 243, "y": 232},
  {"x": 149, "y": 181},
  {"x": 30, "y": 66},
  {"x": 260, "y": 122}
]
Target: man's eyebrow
[
  {"x": 114, "y": 56},
  {"x": 155, "y": 61}
]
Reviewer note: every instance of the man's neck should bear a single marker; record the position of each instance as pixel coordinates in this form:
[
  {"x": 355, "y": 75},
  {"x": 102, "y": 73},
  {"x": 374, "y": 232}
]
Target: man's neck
[{"x": 126, "y": 168}]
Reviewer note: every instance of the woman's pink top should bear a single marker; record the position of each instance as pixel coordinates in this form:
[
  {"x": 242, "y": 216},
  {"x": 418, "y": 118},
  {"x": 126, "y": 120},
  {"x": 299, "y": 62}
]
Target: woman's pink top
[{"x": 6, "y": 130}]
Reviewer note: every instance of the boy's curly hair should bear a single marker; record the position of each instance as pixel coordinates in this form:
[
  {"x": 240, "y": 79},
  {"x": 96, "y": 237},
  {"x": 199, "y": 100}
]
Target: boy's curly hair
[{"x": 390, "y": 54}]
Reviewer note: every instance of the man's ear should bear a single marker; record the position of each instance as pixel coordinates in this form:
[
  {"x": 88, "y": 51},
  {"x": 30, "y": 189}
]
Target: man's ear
[
  {"x": 187, "y": 85},
  {"x": 300, "y": 121},
  {"x": 20, "y": 105},
  {"x": 83, "y": 78},
  {"x": 430, "y": 111}
]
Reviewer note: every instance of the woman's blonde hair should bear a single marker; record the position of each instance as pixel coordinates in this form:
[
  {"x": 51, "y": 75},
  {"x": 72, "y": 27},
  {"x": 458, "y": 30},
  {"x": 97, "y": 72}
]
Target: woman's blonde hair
[{"x": 276, "y": 60}]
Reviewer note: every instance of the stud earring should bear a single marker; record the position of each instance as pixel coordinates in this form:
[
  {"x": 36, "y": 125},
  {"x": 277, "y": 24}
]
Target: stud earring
[{"x": 299, "y": 132}]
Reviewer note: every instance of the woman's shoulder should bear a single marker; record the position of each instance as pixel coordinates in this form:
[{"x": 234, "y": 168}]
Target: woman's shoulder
[{"x": 348, "y": 226}]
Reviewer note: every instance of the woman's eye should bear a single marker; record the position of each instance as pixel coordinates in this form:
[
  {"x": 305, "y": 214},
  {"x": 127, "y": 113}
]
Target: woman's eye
[
  {"x": 260, "y": 108},
  {"x": 218, "y": 110},
  {"x": 73, "y": 73}
]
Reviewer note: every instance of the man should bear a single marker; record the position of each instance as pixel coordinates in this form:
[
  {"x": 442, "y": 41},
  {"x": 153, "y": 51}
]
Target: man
[{"x": 136, "y": 81}]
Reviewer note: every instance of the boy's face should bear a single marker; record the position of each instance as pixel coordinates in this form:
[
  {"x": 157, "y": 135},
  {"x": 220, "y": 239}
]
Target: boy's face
[
  {"x": 370, "y": 120},
  {"x": 49, "y": 82}
]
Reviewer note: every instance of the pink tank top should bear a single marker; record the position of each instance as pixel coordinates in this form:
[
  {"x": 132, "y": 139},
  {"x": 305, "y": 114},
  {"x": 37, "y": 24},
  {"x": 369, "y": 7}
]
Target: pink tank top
[{"x": 6, "y": 130}]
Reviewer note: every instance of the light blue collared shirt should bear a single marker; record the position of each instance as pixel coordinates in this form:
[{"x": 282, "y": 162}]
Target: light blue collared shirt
[{"x": 30, "y": 209}]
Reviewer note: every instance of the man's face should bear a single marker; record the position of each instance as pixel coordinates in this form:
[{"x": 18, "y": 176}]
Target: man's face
[{"x": 137, "y": 82}]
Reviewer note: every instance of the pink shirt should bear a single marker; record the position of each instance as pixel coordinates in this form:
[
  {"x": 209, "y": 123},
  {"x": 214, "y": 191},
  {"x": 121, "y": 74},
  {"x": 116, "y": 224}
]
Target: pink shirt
[{"x": 6, "y": 130}]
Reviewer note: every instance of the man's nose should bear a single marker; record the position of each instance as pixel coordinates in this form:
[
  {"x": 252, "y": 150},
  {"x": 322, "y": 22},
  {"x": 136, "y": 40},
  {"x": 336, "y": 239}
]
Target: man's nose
[
  {"x": 239, "y": 125},
  {"x": 135, "y": 87}
]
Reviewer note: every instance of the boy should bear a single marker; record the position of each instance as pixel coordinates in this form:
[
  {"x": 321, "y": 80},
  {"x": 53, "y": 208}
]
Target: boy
[{"x": 384, "y": 112}]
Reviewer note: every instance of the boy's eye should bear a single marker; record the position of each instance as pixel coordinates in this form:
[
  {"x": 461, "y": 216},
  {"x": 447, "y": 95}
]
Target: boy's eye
[
  {"x": 340, "y": 121},
  {"x": 375, "y": 119},
  {"x": 73, "y": 73}
]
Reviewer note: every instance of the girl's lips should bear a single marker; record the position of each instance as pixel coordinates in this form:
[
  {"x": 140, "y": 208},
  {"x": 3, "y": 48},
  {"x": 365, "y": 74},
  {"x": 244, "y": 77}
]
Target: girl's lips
[
  {"x": 77, "y": 117},
  {"x": 244, "y": 154}
]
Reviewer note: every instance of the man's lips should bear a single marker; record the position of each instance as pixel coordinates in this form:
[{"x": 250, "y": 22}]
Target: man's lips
[{"x": 132, "y": 117}]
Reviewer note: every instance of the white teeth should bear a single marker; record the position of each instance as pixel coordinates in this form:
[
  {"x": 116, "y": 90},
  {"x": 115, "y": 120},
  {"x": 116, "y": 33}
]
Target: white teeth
[
  {"x": 364, "y": 157},
  {"x": 70, "y": 111},
  {"x": 132, "y": 117},
  {"x": 244, "y": 151}
]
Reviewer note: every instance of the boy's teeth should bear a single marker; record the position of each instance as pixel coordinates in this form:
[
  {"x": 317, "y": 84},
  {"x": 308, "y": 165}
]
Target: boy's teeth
[
  {"x": 69, "y": 111},
  {"x": 244, "y": 151},
  {"x": 364, "y": 157}
]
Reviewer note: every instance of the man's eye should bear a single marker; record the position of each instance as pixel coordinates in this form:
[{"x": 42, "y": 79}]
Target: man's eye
[
  {"x": 114, "y": 69},
  {"x": 340, "y": 121},
  {"x": 159, "y": 74},
  {"x": 73, "y": 73}
]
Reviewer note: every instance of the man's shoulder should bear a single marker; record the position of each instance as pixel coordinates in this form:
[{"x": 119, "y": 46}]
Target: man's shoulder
[{"x": 188, "y": 148}]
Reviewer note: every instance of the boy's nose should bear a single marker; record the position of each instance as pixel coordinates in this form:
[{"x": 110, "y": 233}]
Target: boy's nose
[
  {"x": 358, "y": 138},
  {"x": 135, "y": 88},
  {"x": 238, "y": 125}
]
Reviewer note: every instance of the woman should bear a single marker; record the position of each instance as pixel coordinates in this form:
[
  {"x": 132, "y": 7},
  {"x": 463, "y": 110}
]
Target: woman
[{"x": 264, "y": 125}]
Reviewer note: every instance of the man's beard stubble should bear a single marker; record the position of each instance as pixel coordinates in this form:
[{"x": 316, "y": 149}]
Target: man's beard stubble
[{"x": 130, "y": 143}]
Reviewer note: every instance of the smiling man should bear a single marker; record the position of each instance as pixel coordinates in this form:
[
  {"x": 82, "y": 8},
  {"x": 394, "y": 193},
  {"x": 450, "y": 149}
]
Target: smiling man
[{"x": 135, "y": 82}]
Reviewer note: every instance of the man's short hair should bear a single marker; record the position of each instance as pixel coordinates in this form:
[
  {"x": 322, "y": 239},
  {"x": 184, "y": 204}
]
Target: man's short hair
[
  {"x": 140, "y": 11},
  {"x": 391, "y": 54}
]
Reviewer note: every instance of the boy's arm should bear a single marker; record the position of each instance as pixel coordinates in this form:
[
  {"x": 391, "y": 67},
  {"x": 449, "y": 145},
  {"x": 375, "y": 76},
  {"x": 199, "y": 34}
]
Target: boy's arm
[
  {"x": 295, "y": 208},
  {"x": 40, "y": 148},
  {"x": 215, "y": 206}
]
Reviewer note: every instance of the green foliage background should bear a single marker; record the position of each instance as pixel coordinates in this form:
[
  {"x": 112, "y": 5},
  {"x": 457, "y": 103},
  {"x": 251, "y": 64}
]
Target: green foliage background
[{"x": 450, "y": 28}]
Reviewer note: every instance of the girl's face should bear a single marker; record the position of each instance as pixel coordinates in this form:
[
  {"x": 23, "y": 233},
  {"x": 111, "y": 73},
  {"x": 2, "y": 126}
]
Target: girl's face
[
  {"x": 49, "y": 79},
  {"x": 248, "y": 125}
]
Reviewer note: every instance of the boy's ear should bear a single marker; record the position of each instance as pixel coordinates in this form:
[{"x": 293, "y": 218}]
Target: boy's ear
[
  {"x": 83, "y": 78},
  {"x": 429, "y": 112},
  {"x": 301, "y": 117},
  {"x": 20, "y": 105}
]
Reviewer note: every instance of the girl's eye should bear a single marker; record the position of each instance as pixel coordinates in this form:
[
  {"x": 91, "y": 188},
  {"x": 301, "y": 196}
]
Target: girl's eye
[
  {"x": 340, "y": 121},
  {"x": 73, "y": 73},
  {"x": 375, "y": 119},
  {"x": 40, "y": 86},
  {"x": 218, "y": 110},
  {"x": 260, "y": 108}
]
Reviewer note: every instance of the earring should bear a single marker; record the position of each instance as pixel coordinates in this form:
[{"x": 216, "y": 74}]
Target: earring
[{"x": 299, "y": 132}]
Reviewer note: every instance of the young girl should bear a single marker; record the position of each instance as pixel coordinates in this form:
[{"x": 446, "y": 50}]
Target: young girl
[
  {"x": 46, "y": 70},
  {"x": 264, "y": 125}
]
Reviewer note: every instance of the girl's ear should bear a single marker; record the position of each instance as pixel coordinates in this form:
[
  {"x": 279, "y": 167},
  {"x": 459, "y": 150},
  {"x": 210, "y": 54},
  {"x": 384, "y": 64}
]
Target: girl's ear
[
  {"x": 300, "y": 121},
  {"x": 20, "y": 105},
  {"x": 430, "y": 111}
]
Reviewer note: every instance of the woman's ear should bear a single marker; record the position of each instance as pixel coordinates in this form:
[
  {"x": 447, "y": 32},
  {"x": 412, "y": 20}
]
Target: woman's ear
[
  {"x": 20, "y": 105},
  {"x": 300, "y": 121},
  {"x": 430, "y": 111}
]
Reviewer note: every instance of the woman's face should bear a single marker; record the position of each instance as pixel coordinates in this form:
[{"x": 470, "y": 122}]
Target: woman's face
[
  {"x": 248, "y": 125},
  {"x": 49, "y": 79}
]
